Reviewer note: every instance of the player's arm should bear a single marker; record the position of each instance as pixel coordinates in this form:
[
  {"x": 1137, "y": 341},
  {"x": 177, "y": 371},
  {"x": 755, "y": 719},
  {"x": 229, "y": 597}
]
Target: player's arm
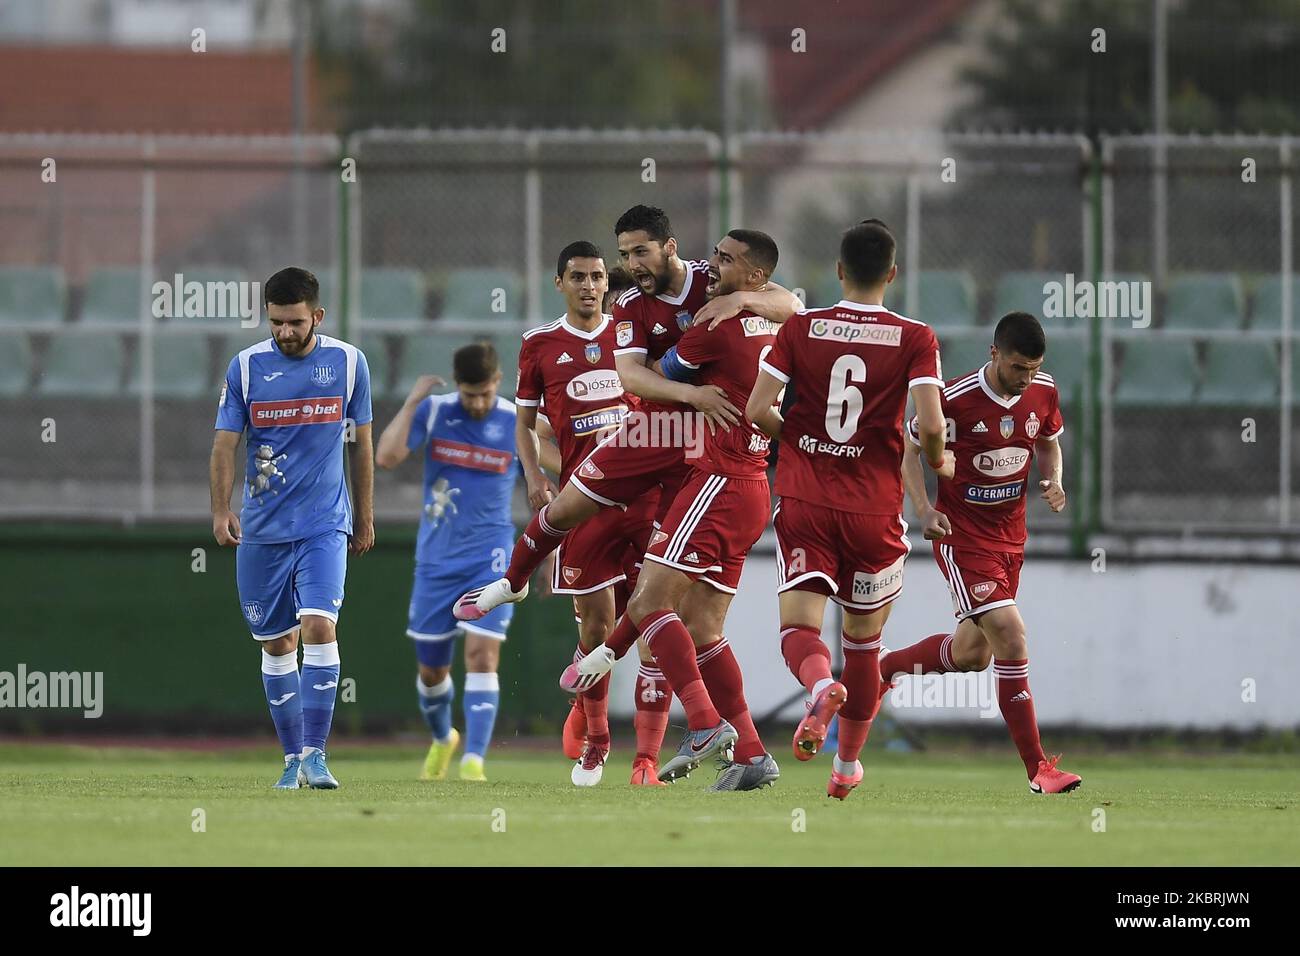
[
  {"x": 393, "y": 448},
  {"x": 221, "y": 479},
  {"x": 1051, "y": 465},
  {"x": 642, "y": 381},
  {"x": 934, "y": 523},
  {"x": 362, "y": 464},
  {"x": 762, "y": 408},
  {"x": 540, "y": 489},
  {"x": 773, "y": 302},
  {"x": 930, "y": 425}
]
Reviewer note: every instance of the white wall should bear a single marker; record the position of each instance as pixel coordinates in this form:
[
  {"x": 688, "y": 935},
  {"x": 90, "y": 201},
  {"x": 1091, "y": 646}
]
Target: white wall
[{"x": 1154, "y": 644}]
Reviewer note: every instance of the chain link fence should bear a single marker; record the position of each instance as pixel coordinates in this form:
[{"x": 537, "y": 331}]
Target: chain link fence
[{"x": 1178, "y": 408}]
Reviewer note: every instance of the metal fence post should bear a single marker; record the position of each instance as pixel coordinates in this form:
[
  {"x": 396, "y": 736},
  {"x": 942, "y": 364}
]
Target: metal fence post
[
  {"x": 532, "y": 232},
  {"x": 912, "y": 285},
  {"x": 148, "y": 213},
  {"x": 1287, "y": 238}
]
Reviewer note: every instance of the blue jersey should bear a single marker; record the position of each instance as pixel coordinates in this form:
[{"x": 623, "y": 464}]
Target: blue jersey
[
  {"x": 295, "y": 411},
  {"x": 470, "y": 468}
]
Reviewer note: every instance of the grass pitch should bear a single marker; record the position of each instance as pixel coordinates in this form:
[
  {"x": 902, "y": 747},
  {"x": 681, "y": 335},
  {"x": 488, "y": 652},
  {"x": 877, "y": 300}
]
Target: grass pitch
[{"x": 77, "y": 805}]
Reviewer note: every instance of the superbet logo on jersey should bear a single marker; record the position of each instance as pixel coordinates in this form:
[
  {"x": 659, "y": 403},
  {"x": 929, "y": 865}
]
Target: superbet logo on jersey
[{"x": 296, "y": 411}]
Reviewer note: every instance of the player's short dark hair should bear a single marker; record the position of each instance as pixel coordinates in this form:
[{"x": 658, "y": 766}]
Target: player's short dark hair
[
  {"x": 582, "y": 249},
  {"x": 475, "y": 364},
  {"x": 867, "y": 253},
  {"x": 291, "y": 286},
  {"x": 651, "y": 220},
  {"x": 620, "y": 280},
  {"x": 762, "y": 248},
  {"x": 1020, "y": 332}
]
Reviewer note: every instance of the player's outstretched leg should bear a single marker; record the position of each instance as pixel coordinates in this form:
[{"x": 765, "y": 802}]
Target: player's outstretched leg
[
  {"x": 809, "y": 661},
  {"x": 280, "y": 681}
]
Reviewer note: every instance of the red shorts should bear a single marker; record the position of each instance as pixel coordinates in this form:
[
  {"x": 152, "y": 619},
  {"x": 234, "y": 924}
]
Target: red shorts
[
  {"x": 857, "y": 559},
  {"x": 599, "y": 552},
  {"x": 617, "y": 473},
  {"x": 978, "y": 580},
  {"x": 712, "y": 524}
]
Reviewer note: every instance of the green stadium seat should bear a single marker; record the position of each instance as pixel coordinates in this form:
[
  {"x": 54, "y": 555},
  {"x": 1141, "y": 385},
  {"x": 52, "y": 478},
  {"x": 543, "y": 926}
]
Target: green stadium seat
[
  {"x": 946, "y": 298},
  {"x": 1157, "y": 372},
  {"x": 180, "y": 366},
  {"x": 392, "y": 295},
  {"x": 376, "y": 352},
  {"x": 1204, "y": 300},
  {"x": 469, "y": 294},
  {"x": 1267, "y": 312},
  {"x": 15, "y": 363},
  {"x": 112, "y": 295},
  {"x": 1023, "y": 292},
  {"x": 964, "y": 352},
  {"x": 31, "y": 294},
  {"x": 80, "y": 363},
  {"x": 1067, "y": 363},
  {"x": 232, "y": 343},
  {"x": 328, "y": 294},
  {"x": 421, "y": 353},
  {"x": 551, "y": 303},
  {"x": 823, "y": 289},
  {"x": 1239, "y": 373},
  {"x": 507, "y": 346}
]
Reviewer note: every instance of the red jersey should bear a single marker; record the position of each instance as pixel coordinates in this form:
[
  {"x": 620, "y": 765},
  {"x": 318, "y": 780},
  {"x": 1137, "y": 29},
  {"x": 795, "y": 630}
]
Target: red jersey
[
  {"x": 571, "y": 374},
  {"x": 728, "y": 358},
  {"x": 649, "y": 325},
  {"x": 851, "y": 366},
  {"x": 992, "y": 439}
]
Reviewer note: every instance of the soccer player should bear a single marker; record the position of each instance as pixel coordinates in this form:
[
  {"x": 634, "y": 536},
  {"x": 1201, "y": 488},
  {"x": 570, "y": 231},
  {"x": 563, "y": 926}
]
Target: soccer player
[
  {"x": 838, "y": 521},
  {"x": 467, "y": 441},
  {"x": 695, "y": 559},
  {"x": 999, "y": 418},
  {"x": 297, "y": 395}
]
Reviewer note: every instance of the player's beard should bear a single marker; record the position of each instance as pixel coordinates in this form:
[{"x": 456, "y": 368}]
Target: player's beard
[{"x": 306, "y": 343}]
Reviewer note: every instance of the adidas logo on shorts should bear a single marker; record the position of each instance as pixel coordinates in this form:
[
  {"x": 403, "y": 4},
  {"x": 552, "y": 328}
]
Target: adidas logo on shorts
[
  {"x": 692, "y": 558},
  {"x": 564, "y": 357}
]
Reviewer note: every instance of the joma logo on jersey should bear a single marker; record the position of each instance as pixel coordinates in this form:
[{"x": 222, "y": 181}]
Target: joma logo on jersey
[
  {"x": 866, "y": 333},
  {"x": 994, "y": 494},
  {"x": 296, "y": 411},
  {"x": 1001, "y": 462},
  {"x": 598, "y": 420}
]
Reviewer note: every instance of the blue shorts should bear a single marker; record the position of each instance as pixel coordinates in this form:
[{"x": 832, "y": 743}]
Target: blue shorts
[
  {"x": 280, "y": 583},
  {"x": 432, "y": 624}
]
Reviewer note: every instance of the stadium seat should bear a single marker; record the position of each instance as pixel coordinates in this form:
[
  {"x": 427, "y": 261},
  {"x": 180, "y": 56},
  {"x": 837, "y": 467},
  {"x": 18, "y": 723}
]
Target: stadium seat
[
  {"x": 232, "y": 343},
  {"x": 469, "y": 294},
  {"x": 421, "y": 353},
  {"x": 1267, "y": 311},
  {"x": 1239, "y": 373},
  {"x": 1023, "y": 292},
  {"x": 963, "y": 353},
  {"x": 550, "y": 302},
  {"x": 112, "y": 295},
  {"x": 375, "y": 348},
  {"x": 1067, "y": 363},
  {"x": 328, "y": 295},
  {"x": 180, "y": 365},
  {"x": 82, "y": 363},
  {"x": 947, "y": 299},
  {"x": 1157, "y": 372},
  {"x": 1204, "y": 300},
  {"x": 507, "y": 346},
  {"x": 392, "y": 295},
  {"x": 15, "y": 362},
  {"x": 823, "y": 289},
  {"x": 31, "y": 294}
]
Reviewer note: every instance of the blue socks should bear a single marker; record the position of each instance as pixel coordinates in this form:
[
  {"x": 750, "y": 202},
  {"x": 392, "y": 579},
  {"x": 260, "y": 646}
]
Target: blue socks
[
  {"x": 320, "y": 681},
  {"x": 280, "y": 679},
  {"x": 482, "y": 694},
  {"x": 435, "y": 705}
]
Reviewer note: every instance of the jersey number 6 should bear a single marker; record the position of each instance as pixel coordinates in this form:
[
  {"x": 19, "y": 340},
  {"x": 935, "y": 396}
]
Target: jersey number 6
[{"x": 844, "y": 400}]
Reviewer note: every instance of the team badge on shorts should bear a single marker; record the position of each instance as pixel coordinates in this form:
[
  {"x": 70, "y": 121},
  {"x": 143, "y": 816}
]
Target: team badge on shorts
[
  {"x": 324, "y": 375},
  {"x": 593, "y": 352},
  {"x": 1031, "y": 425},
  {"x": 623, "y": 334},
  {"x": 981, "y": 591},
  {"x": 253, "y": 611},
  {"x": 1006, "y": 426},
  {"x": 683, "y": 320},
  {"x": 571, "y": 574},
  {"x": 589, "y": 470}
]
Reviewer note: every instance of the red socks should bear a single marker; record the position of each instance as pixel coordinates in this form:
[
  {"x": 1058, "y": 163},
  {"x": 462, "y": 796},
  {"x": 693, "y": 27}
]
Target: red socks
[
  {"x": 861, "y": 678},
  {"x": 807, "y": 657},
  {"x": 622, "y": 637},
  {"x": 1017, "y": 708},
  {"x": 932, "y": 655},
  {"x": 721, "y": 674},
  {"x": 538, "y": 540},
  {"x": 653, "y": 698},
  {"x": 595, "y": 704},
  {"x": 674, "y": 652}
]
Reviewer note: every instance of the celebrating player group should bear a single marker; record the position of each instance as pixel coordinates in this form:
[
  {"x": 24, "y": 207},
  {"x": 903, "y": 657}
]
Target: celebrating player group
[{"x": 656, "y": 417}]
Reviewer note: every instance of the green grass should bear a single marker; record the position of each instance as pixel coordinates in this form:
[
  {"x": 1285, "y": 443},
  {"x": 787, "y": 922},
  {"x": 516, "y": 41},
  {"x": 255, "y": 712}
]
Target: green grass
[{"x": 65, "y": 805}]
